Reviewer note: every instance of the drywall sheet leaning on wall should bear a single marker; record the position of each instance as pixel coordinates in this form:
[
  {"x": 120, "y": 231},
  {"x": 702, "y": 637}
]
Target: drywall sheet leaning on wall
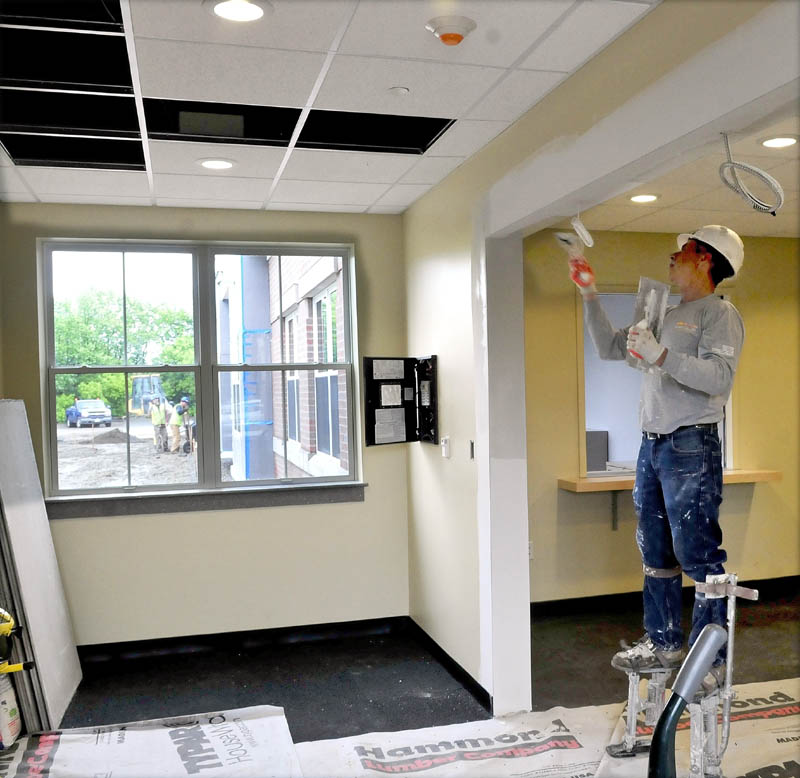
[
  {"x": 36, "y": 594},
  {"x": 765, "y": 733},
  {"x": 559, "y": 743},
  {"x": 245, "y": 743}
]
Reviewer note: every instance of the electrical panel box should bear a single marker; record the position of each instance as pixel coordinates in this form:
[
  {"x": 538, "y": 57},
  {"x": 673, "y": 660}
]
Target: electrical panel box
[{"x": 400, "y": 400}]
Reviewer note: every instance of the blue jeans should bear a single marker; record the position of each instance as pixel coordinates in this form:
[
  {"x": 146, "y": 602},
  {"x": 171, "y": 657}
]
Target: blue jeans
[{"x": 677, "y": 496}]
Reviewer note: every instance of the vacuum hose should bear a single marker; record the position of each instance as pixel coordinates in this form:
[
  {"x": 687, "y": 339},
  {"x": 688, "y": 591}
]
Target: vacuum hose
[
  {"x": 727, "y": 172},
  {"x": 697, "y": 663}
]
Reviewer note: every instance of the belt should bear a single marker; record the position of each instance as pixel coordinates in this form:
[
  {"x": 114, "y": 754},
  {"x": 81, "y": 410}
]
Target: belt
[{"x": 660, "y": 435}]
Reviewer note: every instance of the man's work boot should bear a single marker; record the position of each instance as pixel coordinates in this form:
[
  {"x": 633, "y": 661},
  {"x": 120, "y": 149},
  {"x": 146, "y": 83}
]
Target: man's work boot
[{"x": 644, "y": 655}]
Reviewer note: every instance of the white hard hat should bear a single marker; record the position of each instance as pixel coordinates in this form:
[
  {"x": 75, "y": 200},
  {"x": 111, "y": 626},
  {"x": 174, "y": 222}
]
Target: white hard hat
[{"x": 723, "y": 239}]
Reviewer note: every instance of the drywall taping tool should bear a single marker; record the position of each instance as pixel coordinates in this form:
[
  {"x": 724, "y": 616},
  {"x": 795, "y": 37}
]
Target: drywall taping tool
[{"x": 580, "y": 271}]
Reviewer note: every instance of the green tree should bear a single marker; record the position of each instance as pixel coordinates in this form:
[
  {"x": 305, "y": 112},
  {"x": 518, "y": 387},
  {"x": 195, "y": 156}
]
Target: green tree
[
  {"x": 91, "y": 331},
  {"x": 176, "y": 385}
]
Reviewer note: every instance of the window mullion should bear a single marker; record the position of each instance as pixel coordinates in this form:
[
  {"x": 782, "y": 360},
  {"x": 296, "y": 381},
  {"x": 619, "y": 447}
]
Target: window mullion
[{"x": 208, "y": 470}]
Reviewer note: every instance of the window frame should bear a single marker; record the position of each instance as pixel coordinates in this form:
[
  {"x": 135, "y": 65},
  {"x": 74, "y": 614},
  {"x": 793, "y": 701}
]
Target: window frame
[
  {"x": 206, "y": 367},
  {"x": 725, "y": 426}
]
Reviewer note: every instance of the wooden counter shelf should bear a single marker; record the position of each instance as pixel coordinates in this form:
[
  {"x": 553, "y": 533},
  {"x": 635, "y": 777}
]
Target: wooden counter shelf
[{"x": 620, "y": 482}]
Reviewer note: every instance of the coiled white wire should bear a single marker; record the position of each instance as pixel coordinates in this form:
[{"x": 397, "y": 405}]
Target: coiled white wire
[{"x": 729, "y": 176}]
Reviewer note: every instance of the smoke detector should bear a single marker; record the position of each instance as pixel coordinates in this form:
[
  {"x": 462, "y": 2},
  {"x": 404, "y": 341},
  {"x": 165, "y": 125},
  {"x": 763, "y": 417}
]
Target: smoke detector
[{"x": 451, "y": 30}]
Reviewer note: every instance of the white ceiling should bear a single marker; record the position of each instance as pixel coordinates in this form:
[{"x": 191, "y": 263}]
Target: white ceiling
[
  {"x": 694, "y": 194},
  {"x": 345, "y": 55},
  {"x": 342, "y": 55}
]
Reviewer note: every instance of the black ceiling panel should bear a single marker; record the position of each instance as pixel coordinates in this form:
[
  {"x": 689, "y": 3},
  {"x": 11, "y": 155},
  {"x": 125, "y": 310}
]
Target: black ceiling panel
[
  {"x": 54, "y": 151},
  {"x": 370, "y": 132},
  {"x": 64, "y": 60},
  {"x": 104, "y": 15},
  {"x": 32, "y": 111},
  {"x": 254, "y": 125}
]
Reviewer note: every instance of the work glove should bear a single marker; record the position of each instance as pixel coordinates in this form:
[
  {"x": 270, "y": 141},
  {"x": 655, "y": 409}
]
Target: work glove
[
  {"x": 582, "y": 275},
  {"x": 643, "y": 344}
]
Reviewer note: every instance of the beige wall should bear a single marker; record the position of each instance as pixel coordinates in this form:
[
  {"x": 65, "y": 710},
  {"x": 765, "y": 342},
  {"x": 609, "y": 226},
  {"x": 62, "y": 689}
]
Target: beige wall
[
  {"x": 576, "y": 552},
  {"x": 191, "y": 573},
  {"x": 443, "y": 553},
  {"x": 346, "y": 561}
]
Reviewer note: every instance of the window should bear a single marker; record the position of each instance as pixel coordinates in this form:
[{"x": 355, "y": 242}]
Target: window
[
  {"x": 242, "y": 361},
  {"x": 292, "y": 382},
  {"x": 326, "y": 381},
  {"x": 611, "y": 400}
]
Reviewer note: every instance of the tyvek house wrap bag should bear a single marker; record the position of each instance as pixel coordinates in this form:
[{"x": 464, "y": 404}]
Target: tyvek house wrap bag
[{"x": 246, "y": 743}]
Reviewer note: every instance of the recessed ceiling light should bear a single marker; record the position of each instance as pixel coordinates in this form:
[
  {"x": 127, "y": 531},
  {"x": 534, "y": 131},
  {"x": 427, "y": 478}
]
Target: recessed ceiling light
[
  {"x": 644, "y": 198},
  {"x": 216, "y": 164},
  {"x": 779, "y": 143},
  {"x": 238, "y": 10}
]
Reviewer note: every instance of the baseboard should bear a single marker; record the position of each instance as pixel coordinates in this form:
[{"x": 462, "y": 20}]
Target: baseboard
[
  {"x": 450, "y": 664},
  {"x": 114, "y": 653}
]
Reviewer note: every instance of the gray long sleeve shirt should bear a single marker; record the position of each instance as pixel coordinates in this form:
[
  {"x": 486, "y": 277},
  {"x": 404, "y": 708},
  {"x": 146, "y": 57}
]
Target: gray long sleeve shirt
[{"x": 704, "y": 339}]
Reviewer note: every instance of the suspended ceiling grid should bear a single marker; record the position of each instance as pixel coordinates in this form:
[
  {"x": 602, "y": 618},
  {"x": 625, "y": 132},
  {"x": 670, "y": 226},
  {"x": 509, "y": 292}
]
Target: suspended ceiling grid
[{"x": 124, "y": 97}]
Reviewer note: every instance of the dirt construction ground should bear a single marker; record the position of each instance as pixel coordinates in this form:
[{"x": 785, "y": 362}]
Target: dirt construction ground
[{"x": 97, "y": 457}]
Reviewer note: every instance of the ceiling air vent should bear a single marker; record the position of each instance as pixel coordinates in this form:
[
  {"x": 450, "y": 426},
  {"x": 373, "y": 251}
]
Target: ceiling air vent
[{"x": 224, "y": 125}]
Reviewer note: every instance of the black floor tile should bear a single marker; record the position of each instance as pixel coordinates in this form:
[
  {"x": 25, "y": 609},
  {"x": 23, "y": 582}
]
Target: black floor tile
[{"x": 390, "y": 679}]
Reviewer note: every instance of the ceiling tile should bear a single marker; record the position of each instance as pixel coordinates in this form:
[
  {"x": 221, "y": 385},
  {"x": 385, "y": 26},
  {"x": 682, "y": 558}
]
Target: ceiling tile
[
  {"x": 590, "y": 27},
  {"x": 667, "y": 196},
  {"x": 750, "y": 145},
  {"x": 724, "y": 199},
  {"x": 181, "y": 157},
  {"x": 608, "y": 217},
  {"x": 316, "y": 207},
  {"x": 505, "y": 29},
  {"x": 310, "y": 25},
  {"x": 744, "y": 222},
  {"x": 310, "y": 165},
  {"x": 515, "y": 94},
  {"x": 226, "y": 74},
  {"x": 787, "y": 175},
  {"x": 46, "y": 181},
  {"x": 436, "y": 89},
  {"x": 96, "y": 199},
  {"x": 326, "y": 192},
  {"x": 402, "y": 195},
  {"x": 177, "y": 202},
  {"x": 431, "y": 170},
  {"x": 465, "y": 137},
  {"x": 210, "y": 187}
]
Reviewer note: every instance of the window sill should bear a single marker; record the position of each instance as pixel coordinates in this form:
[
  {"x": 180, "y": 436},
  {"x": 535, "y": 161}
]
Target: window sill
[
  {"x": 618, "y": 483},
  {"x": 141, "y": 503}
]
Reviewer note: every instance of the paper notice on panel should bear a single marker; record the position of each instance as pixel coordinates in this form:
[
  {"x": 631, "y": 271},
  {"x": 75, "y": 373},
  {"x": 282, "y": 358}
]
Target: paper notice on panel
[
  {"x": 425, "y": 393},
  {"x": 390, "y": 394},
  {"x": 408, "y": 394},
  {"x": 390, "y": 426},
  {"x": 383, "y": 369}
]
